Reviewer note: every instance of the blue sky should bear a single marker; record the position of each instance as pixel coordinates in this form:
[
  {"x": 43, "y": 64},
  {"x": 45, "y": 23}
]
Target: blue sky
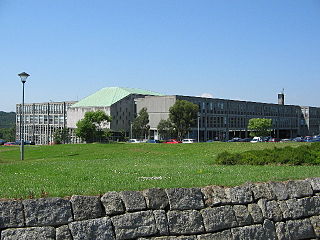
[{"x": 246, "y": 50}]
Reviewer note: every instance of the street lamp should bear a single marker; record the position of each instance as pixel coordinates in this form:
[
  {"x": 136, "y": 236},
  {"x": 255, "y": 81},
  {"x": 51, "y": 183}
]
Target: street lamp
[
  {"x": 23, "y": 76},
  {"x": 198, "y": 126}
]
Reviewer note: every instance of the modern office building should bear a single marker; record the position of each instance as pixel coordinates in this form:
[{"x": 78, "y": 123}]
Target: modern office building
[
  {"x": 217, "y": 118},
  {"x": 41, "y": 120},
  {"x": 224, "y": 119}
]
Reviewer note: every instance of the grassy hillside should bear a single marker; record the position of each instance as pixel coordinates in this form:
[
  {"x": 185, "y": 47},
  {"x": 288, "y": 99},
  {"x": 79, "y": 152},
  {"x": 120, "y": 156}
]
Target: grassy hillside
[
  {"x": 63, "y": 170},
  {"x": 7, "y": 119}
]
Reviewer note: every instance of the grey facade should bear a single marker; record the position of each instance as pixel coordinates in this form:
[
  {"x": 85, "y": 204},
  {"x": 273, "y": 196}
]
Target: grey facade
[{"x": 224, "y": 119}]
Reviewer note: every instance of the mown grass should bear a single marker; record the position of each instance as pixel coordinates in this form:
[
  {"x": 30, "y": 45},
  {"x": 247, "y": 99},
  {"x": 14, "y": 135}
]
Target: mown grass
[{"x": 64, "y": 170}]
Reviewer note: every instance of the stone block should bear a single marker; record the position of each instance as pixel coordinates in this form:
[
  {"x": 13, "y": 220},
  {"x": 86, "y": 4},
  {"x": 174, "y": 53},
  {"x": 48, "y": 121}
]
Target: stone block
[
  {"x": 262, "y": 190},
  {"x": 282, "y": 231},
  {"x": 161, "y": 222},
  {"x": 224, "y": 235},
  {"x": 98, "y": 229},
  {"x": 291, "y": 209},
  {"x": 300, "y": 229},
  {"x": 269, "y": 230},
  {"x": 185, "y": 222},
  {"x": 185, "y": 198},
  {"x": 63, "y": 233},
  {"x": 133, "y": 201},
  {"x": 240, "y": 194},
  {"x": 33, "y": 233},
  {"x": 299, "y": 189},
  {"x": 219, "y": 218},
  {"x": 279, "y": 189},
  {"x": 315, "y": 183},
  {"x": 47, "y": 211},
  {"x": 248, "y": 232},
  {"x": 156, "y": 198},
  {"x": 310, "y": 205},
  {"x": 270, "y": 210},
  {"x": 242, "y": 215},
  {"x": 112, "y": 203},
  {"x": 215, "y": 195},
  {"x": 134, "y": 225},
  {"x": 315, "y": 221},
  {"x": 86, "y": 207},
  {"x": 11, "y": 214},
  {"x": 255, "y": 212}
]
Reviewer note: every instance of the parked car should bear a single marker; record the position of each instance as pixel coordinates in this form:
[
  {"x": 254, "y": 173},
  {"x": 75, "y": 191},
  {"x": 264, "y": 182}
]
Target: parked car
[
  {"x": 10, "y": 144},
  {"x": 308, "y": 139},
  {"x": 285, "y": 140},
  {"x": 266, "y": 139},
  {"x": 152, "y": 141},
  {"x": 133, "y": 141},
  {"x": 274, "y": 140},
  {"x": 188, "y": 140},
  {"x": 316, "y": 139},
  {"x": 236, "y": 139},
  {"x": 298, "y": 139},
  {"x": 2, "y": 141},
  {"x": 245, "y": 140},
  {"x": 256, "y": 139},
  {"x": 172, "y": 141}
]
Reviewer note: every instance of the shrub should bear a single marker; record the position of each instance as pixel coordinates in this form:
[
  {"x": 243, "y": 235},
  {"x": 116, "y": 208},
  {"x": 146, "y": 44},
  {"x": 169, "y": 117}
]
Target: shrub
[{"x": 302, "y": 155}]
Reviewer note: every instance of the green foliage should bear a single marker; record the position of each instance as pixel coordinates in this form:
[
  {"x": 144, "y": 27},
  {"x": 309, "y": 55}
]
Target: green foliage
[
  {"x": 166, "y": 129},
  {"x": 61, "y": 136},
  {"x": 183, "y": 114},
  {"x": 140, "y": 125},
  {"x": 260, "y": 127},
  {"x": 302, "y": 155},
  {"x": 90, "y": 128},
  {"x": 8, "y": 134},
  {"x": 7, "y": 119}
]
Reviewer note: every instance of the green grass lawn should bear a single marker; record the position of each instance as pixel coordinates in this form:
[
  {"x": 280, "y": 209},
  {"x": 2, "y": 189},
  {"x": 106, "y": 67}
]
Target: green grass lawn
[{"x": 91, "y": 169}]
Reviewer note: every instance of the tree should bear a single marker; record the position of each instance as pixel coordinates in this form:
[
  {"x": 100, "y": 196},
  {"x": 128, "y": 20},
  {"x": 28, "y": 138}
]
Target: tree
[
  {"x": 183, "y": 115},
  {"x": 166, "y": 129},
  {"x": 90, "y": 128},
  {"x": 8, "y": 134},
  {"x": 259, "y": 127},
  {"x": 140, "y": 125},
  {"x": 61, "y": 136}
]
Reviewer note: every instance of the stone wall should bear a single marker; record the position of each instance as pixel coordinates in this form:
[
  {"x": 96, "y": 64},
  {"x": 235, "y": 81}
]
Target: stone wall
[{"x": 273, "y": 210}]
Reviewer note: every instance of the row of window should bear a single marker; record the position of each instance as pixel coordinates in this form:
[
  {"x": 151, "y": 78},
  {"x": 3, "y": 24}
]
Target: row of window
[
  {"x": 57, "y": 108},
  {"x": 42, "y": 119},
  {"x": 247, "y": 109}
]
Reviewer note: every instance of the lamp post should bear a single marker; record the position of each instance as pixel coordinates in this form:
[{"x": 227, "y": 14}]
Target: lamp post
[
  {"x": 23, "y": 76},
  {"x": 198, "y": 126}
]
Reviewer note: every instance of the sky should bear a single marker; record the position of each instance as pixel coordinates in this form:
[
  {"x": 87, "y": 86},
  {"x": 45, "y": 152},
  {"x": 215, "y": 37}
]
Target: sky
[{"x": 242, "y": 50}]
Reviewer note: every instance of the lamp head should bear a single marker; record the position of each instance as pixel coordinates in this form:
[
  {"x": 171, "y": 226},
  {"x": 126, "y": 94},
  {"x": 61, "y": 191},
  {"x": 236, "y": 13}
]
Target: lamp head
[{"x": 23, "y": 76}]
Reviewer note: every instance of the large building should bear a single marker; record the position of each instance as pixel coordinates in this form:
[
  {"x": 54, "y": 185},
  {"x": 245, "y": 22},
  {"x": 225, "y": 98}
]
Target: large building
[
  {"x": 217, "y": 118},
  {"x": 41, "y": 120}
]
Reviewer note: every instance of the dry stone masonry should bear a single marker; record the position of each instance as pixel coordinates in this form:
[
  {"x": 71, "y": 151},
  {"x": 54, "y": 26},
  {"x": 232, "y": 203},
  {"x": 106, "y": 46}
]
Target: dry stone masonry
[{"x": 273, "y": 210}]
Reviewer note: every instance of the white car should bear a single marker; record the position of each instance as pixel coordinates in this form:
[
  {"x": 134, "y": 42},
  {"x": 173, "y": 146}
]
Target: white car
[
  {"x": 133, "y": 141},
  {"x": 256, "y": 139},
  {"x": 188, "y": 141}
]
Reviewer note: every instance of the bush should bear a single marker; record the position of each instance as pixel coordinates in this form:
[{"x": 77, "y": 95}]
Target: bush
[{"x": 302, "y": 155}]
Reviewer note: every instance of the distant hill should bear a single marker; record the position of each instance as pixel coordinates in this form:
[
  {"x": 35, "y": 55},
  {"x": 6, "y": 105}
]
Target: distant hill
[{"x": 7, "y": 119}]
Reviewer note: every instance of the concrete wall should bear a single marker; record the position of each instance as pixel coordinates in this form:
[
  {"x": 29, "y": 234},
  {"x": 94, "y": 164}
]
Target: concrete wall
[
  {"x": 157, "y": 107},
  {"x": 274, "y": 210},
  {"x": 77, "y": 113}
]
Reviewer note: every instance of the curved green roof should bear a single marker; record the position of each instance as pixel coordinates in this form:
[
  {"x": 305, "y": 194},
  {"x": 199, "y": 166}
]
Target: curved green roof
[{"x": 105, "y": 97}]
